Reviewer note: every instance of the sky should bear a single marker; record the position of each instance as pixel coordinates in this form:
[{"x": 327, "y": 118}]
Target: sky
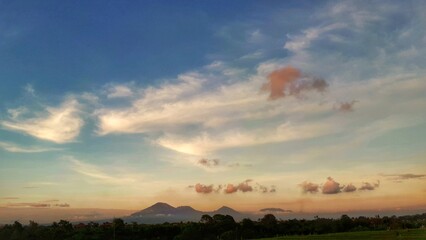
[{"x": 307, "y": 106}]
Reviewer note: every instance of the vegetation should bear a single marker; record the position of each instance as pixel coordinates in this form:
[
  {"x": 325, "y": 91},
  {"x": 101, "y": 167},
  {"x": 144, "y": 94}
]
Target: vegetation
[
  {"x": 410, "y": 234},
  {"x": 224, "y": 227}
]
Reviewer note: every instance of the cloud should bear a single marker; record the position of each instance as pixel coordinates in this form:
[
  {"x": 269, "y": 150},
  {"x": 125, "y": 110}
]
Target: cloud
[
  {"x": 59, "y": 125},
  {"x": 289, "y": 81},
  {"x": 243, "y": 187},
  {"x": 119, "y": 91},
  {"x": 206, "y": 143},
  {"x": 280, "y": 80},
  {"x": 230, "y": 188},
  {"x": 345, "y": 106},
  {"x": 200, "y": 188},
  {"x": 32, "y": 205},
  {"x": 309, "y": 187},
  {"x": 404, "y": 176},
  {"x": 264, "y": 189},
  {"x": 29, "y": 89},
  {"x": 10, "y": 147},
  {"x": 275, "y": 210},
  {"x": 369, "y": 186},
  {"x": 62, "y": 205},
  {"x": 331, "y": 186},
  {"x": 303, "y": 41},
  {"x": 93, "y": 172},
  {"x": 208, "y": 162},
  {"x": 349, "y": 188}
]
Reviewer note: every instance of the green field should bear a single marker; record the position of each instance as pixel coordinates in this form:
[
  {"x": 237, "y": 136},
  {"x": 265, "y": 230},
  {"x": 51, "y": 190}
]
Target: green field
[{"x": 412, "y": 234}]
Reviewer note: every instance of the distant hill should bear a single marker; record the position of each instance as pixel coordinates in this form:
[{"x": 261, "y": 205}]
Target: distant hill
[{"x": 163, "y": 212}]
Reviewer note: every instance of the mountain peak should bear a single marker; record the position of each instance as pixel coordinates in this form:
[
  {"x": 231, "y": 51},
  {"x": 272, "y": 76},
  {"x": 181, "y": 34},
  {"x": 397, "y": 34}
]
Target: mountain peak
[{"x": 226, "y": 211}]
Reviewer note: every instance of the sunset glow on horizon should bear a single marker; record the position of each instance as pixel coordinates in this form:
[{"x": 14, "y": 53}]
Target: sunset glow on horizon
[{"x": 307, "y": 106}]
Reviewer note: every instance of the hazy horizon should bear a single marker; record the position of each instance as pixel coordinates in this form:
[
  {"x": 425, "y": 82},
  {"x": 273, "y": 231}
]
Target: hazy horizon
[{"x": 307, "y": 106}]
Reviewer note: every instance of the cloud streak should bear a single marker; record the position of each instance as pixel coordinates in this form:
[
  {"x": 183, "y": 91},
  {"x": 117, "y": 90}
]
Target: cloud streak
[
  {"x": 95, "y": 173},
  {"x": 11, "y": 147},
  {"x": 60, "y": 125}
]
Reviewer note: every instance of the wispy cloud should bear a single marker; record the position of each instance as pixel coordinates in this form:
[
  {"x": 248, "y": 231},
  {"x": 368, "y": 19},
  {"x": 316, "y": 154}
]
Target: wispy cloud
[
  {"x": 275, "y": 210},
  {"x": 206, "y": 143},
  {"x": 404, "y": 176},
  {"x": 93, "y": 172},
  {"x": 345, "y": 106},
  {"x": 11, "y": 147},
  {"x": 60, "y": 125}
]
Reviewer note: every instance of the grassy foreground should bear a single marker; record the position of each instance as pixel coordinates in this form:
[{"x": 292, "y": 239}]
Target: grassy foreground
[{"x": 414, "y": 234}]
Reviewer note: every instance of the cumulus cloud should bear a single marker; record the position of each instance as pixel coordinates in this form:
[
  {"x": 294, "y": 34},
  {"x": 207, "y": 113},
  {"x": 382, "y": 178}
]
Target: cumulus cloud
[
  {"x": 60, "y": 125},
  {"x": 276, "y": 210},
  {"x": 349, "y": 188},
  {"x": 309, "y": 187},
  {"x": 208, "y": 162},
  {"x": 369, "y": 186},
  {"x": 119, "y": 91},
  {"x": 232, "y": 188},
  {"x": 289, "y": 81},
  {"x": 280, "y": 80},
  {"x": 265, "y": 189},
  {"x": 11, "y": 147},
  {"x": 200, "y": 188},
  {"x": 331, "y": 186}
]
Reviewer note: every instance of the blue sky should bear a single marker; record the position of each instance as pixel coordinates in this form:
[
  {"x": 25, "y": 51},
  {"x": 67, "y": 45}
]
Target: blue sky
[{"x": 251, "y": 104}]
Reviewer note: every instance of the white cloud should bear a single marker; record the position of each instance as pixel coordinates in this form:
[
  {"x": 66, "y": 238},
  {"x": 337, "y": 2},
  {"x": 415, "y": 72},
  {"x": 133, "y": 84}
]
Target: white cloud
[
  {"x": 95, "y": 173},
  {"x": 206, "y": 143},
  {"x": 60, "y": 125},
  {"x": 301, "y": 42},
  {"x": 29, "y": 89},
  {"x": 10, "y": 147},
  {"x": 119, "y": 91}
]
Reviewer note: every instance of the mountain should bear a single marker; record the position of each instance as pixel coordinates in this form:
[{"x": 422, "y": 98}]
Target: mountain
[
  {"x": 224, "y": 210},
  {"x": 163, "y": 212}
]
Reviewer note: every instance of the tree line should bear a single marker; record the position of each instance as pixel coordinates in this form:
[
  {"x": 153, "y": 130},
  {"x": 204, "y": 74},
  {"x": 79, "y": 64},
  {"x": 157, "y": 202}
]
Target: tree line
[{"x": 222, "y": 227}]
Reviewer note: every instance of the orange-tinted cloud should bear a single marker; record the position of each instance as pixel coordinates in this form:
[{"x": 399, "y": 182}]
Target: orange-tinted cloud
[
  {"x": 369, "y": 186},
  {"x": 230, "y": 188},
  {"x": 331, "y": 186},
  {"x": 349, "y": 188},
  {"x": 288, "y": 81},
  {"x": 243, "y": 187},
  {"x": 308, "y": 187},
  {"x": 200, "y": 188},
  {"x": 280, "y": 80}
]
